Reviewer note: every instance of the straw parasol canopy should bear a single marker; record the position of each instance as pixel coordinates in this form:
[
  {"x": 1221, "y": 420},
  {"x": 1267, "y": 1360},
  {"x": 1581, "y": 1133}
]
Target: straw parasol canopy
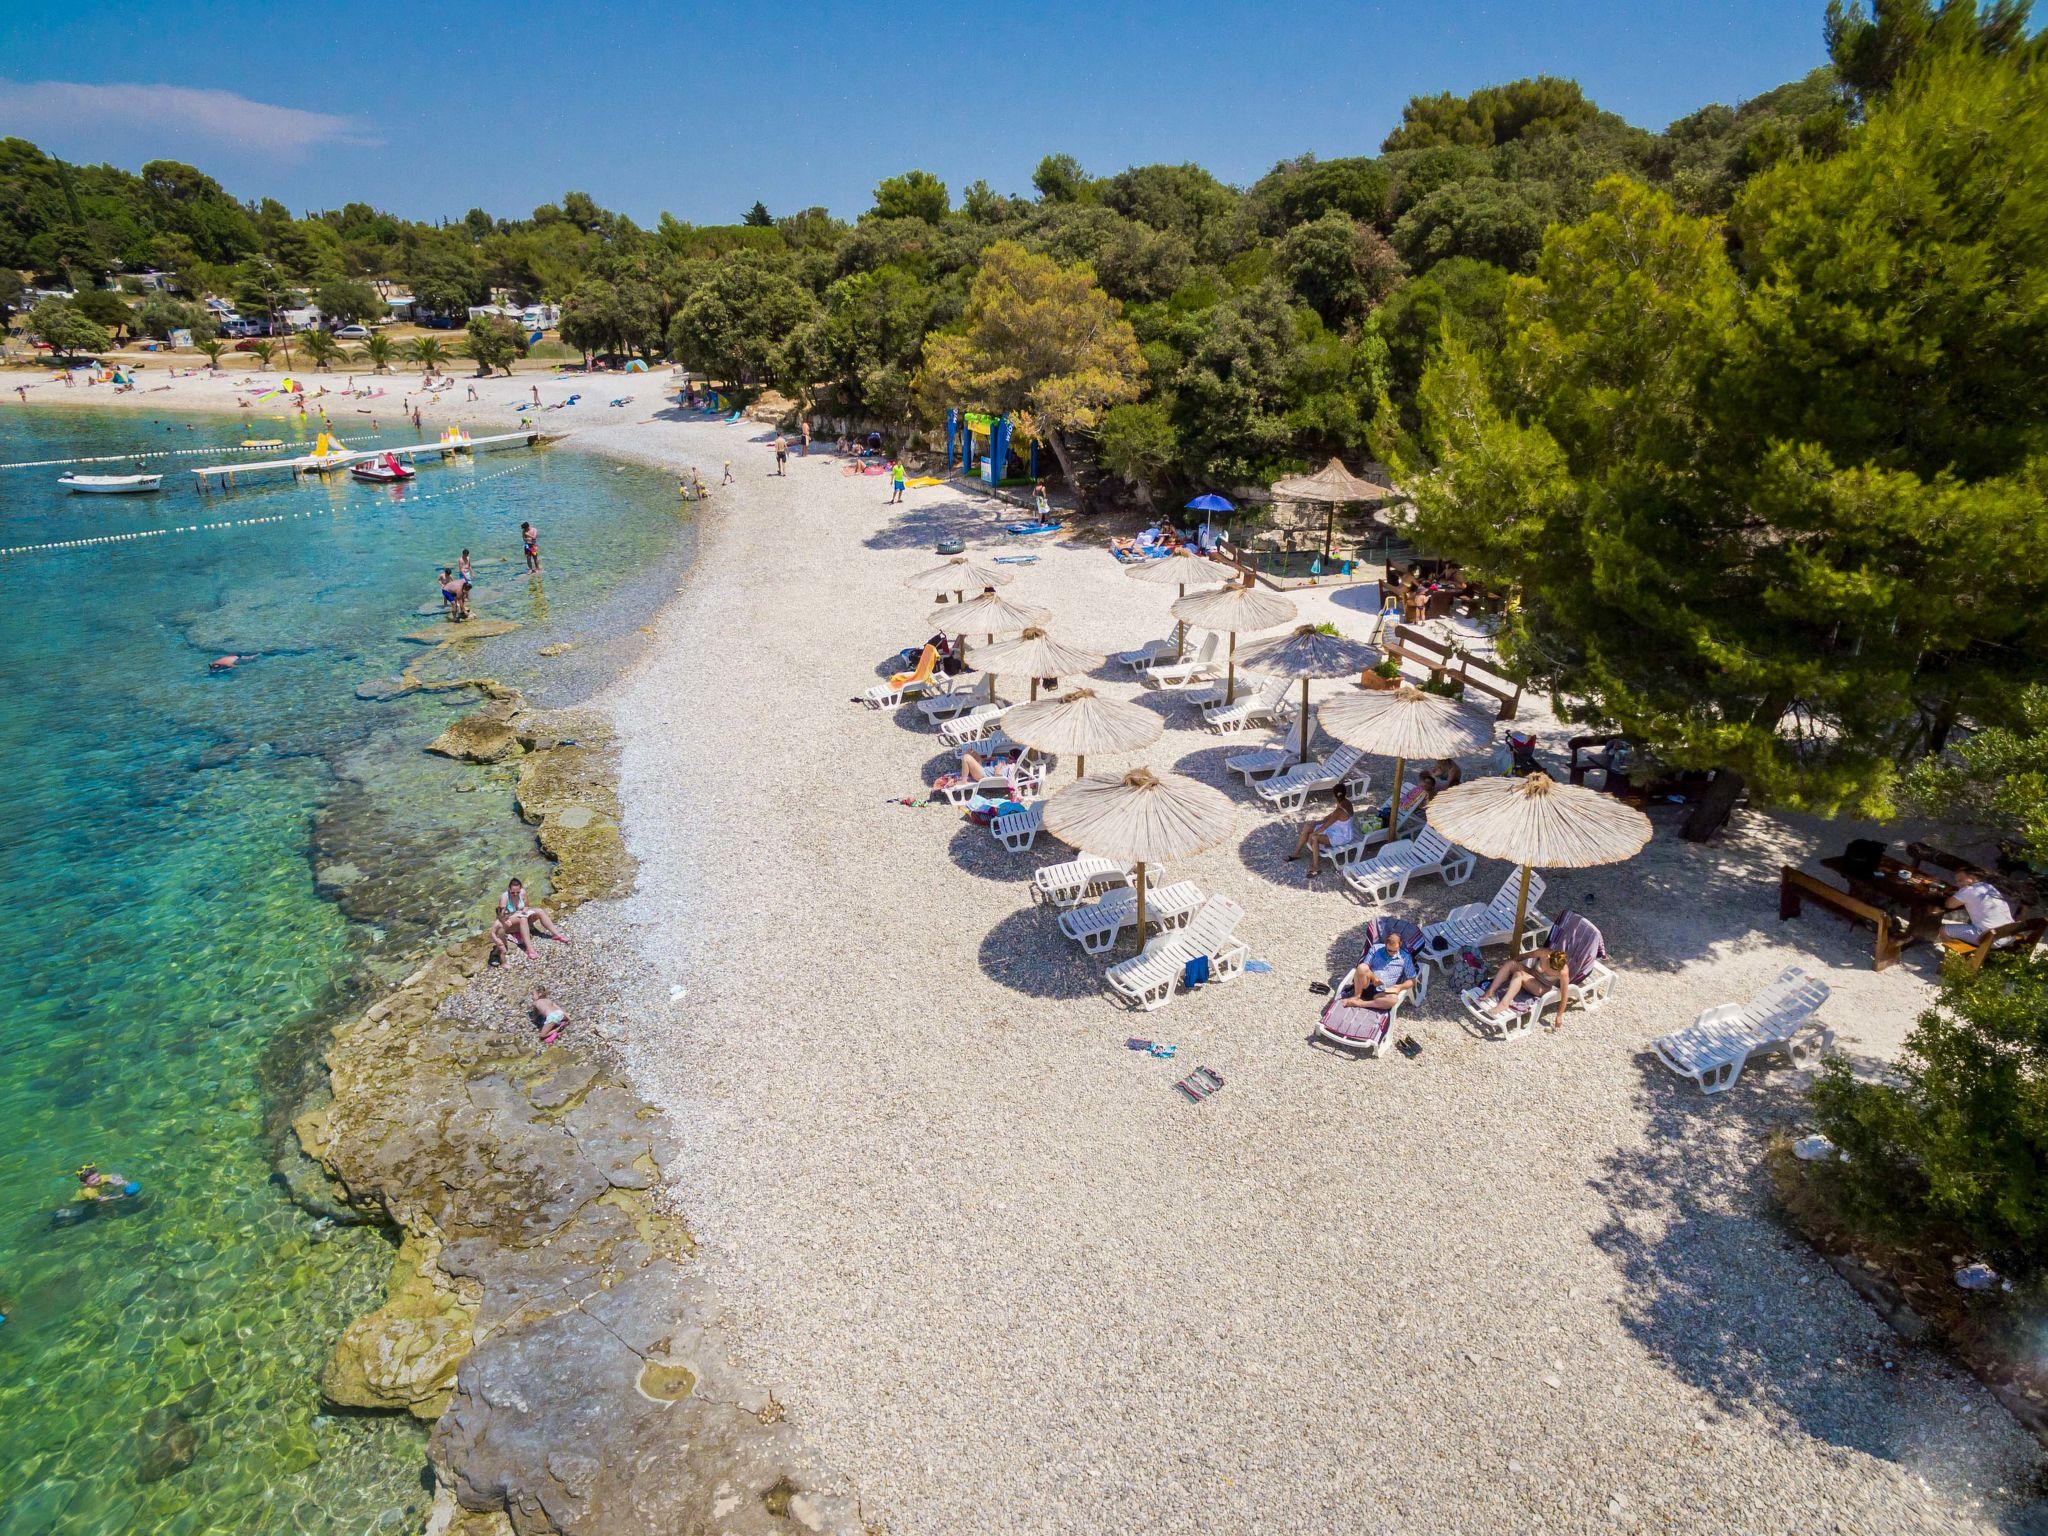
[
  {"x": 1307, "y": 652},
  {"x": 1333, "y": 483},
  {"x": 1034, "y": 654},
  {"x": 1537, "y": 822},
  {"x": 1140, "y": 817},
  {"x": 958, "y": 575},
  {"x": 1080, "y": 722},
  {"x": 1405, "y": 722},
  {"x": 990, "y": 614},
  {"x": 1181, "y": 567},
  {"x": 1235, "y": 611}
]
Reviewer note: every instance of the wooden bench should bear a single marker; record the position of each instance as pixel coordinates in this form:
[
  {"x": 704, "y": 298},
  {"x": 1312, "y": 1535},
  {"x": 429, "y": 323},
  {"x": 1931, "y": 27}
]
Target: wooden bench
[
  {"x": 2014, "y": 938},
  {"x": 1436, "y": 658},
  {"x": 1796, "y": 886}
]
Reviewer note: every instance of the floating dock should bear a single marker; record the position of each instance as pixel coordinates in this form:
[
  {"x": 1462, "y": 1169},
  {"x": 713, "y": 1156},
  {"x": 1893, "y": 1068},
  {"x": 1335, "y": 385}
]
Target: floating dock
[{"x": 211, "y": 475}]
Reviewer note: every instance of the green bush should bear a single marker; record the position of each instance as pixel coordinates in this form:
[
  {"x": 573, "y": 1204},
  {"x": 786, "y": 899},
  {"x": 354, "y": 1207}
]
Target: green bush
[
  {"x": 1449, "y": 687},
  {"x": 1956, "y": 1141}
]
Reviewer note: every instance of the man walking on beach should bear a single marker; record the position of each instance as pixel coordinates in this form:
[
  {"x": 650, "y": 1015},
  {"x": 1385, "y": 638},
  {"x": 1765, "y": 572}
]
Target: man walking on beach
[
  {"x": 529, "y": 539},
  {"x": 804, "y": 448},
  {"x": 781, "y": 456}
]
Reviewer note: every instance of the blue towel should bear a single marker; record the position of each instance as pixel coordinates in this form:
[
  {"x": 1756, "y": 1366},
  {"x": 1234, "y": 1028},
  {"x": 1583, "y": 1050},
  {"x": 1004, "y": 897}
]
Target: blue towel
[{"x": 1196, "y": 972}]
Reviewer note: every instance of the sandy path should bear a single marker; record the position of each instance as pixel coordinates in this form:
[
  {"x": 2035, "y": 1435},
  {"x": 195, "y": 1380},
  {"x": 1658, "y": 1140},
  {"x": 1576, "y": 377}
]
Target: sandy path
[{"x": 1009, "y": 1281}]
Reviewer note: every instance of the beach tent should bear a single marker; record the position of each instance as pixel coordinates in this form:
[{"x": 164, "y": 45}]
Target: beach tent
[{"x": 638, "y": 365}]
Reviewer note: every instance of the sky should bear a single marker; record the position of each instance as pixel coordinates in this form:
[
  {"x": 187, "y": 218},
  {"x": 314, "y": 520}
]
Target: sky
[{"x": 699, "y": 108}]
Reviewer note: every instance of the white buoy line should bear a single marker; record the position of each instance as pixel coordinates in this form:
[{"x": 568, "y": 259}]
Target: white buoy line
[
  {"x": 97, "y": 540},
  {"x": 157, "y": 453}
]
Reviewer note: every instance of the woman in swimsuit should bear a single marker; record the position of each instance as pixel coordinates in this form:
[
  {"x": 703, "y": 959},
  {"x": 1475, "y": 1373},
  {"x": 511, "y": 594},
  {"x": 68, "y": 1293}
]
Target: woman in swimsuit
[{"x": 531, "y": 919}]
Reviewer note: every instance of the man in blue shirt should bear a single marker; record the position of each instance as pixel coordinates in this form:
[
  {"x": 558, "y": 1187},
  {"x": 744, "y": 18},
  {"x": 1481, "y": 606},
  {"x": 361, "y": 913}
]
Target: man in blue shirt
[{"x": 1364, "y": 1009}]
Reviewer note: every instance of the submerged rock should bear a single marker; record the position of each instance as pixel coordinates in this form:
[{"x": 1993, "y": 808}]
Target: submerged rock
[
  {"x": 166, "y": 1442},
  {"x": 473, "y": 629},
  {"x": 477, "y": 738}
]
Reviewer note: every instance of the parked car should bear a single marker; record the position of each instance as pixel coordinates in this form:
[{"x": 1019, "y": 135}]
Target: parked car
[
  {"x": 249, "y": 344},
  {"x": 353, "y": 333}
]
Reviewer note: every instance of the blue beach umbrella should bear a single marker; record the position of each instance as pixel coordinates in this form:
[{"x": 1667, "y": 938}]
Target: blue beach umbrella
[{"x": 1210, "y": 503}]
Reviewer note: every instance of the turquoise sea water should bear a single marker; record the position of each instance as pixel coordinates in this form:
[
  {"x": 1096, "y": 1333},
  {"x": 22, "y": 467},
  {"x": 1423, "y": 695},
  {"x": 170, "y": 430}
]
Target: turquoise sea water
[{"x": 201, "y": 873}]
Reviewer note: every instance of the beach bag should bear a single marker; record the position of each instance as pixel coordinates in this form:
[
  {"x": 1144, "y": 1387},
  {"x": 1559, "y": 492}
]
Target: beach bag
[{"x": 1196, "y": 972}]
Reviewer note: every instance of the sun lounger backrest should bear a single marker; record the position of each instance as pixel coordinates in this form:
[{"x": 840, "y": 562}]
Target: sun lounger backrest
[
  {"x": 1431, "y": 847},
  {"x": 1503, "y": 904},
  {"x": 1786, "y": 1002},
  {"x": 1340, "y": 762},
  {"x": 1212, "y": 926}
]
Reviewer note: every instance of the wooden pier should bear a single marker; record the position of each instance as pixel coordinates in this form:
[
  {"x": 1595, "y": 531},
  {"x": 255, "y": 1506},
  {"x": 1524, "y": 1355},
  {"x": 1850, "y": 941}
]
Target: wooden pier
[{"x": 211, "y": 475}]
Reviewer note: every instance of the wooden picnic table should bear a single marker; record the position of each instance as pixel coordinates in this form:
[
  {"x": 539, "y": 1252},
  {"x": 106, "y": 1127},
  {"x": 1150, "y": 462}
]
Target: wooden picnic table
[{"x": 1898, "y": 887}]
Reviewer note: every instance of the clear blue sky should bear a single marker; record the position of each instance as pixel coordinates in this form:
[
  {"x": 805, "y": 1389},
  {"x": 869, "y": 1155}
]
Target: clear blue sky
[{"x": 699, "y": 108}]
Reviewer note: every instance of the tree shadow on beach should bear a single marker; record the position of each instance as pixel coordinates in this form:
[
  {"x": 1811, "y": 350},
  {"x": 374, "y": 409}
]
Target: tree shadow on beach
[
  {"x": 922, "y": 524},
  {"x": 1027, "y": 954},
  {"x": 1735, "y": 1305}
]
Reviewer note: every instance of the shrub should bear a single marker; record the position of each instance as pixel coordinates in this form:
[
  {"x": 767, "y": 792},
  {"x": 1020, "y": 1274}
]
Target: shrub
[{"x": 1957, "y": 1140}]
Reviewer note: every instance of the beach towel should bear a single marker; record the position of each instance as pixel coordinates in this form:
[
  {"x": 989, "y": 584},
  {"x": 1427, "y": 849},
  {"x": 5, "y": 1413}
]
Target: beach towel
[
  {"x": 1377, "y": 930},
  {"x": 923, "y": 480},
  {"x": 1360, "y": 1023},
  {"x": 1026, "y": 529},
  {"x": 1581, "y": 942}
]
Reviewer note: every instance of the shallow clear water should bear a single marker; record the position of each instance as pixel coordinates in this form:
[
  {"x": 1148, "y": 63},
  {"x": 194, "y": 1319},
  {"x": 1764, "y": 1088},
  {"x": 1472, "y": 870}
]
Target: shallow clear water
[{"x": 200, "y": 873}]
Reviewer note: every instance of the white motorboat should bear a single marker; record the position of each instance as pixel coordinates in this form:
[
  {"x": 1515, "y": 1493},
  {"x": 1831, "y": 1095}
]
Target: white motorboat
[{"x": 111, "y": 485}]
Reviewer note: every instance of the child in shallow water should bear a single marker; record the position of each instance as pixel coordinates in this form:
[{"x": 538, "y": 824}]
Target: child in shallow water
[{"x": 552, "y": 1019}]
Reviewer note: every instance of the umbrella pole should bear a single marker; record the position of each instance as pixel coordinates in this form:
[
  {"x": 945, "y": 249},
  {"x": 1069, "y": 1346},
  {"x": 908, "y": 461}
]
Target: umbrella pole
[
  {"x": 1394, "y": 805},
  {"x": 1230, "y": 684},
  {"x": 1141, "y": 907},
  {"x": 1521, "y": 910},
  {"x": 1304, "y": 717},
  {"x": 1034, "y": 690},
  {"x": 1180, "y": 629},
  {"x": 1080, "y": 764},
  {"x": 1329, "y": 532}
]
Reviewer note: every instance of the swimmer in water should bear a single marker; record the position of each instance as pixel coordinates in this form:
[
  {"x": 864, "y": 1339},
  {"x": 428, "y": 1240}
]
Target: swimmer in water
[
  {"x": 94, "y": 1185},
  {"x": 552, "y": 1019},
  {"x": 223, "y": 663}
]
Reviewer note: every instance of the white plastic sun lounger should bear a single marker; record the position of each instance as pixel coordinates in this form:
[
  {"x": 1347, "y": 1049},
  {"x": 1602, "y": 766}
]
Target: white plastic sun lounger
[
  {"x": 1268, "y": 704},
  {"x": 1018, "y": 830},
  {"x": 1280, "y": 753},
  {"x": 1778, "y": 1021},
  {"x": 1070, "y": 883},
  {"x": 1096, "y": 927},
  {"x": 1147, "y": 980},
  {"x": 1289, "y": 791},
  {"x": 1151, "y": 652},
  {"x": 1340, "y": 987},
  {"x": 1181, "y": 674},
  {"x": 955, "y": 701},
  {"x": 1480, "y": 925},
  {"x": 1018, "y": 780},
  {"x": 973, "y": 726},
  {"x": 1590, "y": 994},
  {"x": 1385, "y": 876},
  {"x": 883, "y": 696}
]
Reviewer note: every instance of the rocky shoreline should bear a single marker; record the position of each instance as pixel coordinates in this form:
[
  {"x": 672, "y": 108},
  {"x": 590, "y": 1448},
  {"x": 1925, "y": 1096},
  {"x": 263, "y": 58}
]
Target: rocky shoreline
[{"x": 541, "y": 1309}]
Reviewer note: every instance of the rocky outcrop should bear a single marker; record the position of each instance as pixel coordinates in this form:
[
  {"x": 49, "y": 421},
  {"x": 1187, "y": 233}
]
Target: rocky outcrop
[
  {"x": 483, "y": 737},
  {"x": 541, "y": 1309}
]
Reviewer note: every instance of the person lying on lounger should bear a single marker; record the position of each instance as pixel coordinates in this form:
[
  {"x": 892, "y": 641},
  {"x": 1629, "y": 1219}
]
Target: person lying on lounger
[
  {"x": 1536, "y": 974},
  {"x": 1363, "y": 1007}
]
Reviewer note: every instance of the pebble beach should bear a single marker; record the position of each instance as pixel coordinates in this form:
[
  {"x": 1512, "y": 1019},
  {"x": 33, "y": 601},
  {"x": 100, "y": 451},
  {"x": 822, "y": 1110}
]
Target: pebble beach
[{"x": 1002, "y": 1277}]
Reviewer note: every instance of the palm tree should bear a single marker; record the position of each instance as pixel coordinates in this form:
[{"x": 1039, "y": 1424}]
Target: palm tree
[
  {"x": 321, "y": 348},
  {"x": 377, "y": 350},
  {"x": 263, "y": 352},
  {"x": 427, "y": 351},
  {"x": 213, "y": 348}
]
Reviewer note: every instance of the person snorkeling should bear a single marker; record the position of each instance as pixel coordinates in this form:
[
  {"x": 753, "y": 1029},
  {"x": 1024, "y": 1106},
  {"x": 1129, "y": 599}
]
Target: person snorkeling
[{"x": 93, "y": 1185}]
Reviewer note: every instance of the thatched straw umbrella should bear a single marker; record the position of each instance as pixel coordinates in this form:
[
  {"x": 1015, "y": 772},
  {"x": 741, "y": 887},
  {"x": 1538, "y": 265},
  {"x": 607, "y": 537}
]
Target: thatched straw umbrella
[
  {"x": 1537, "y": 822},
  {"x": 1333, "y": 483},
  {"x": 1405, "y": 722},
  {"x": 1140, "y": 817},
  {"x": 988, "y": 615},
  {"x": 1080, "y": 722},
  {"x": 1034, "y": 654},
  {"x": 1235, "y": 611},
  {"x": 1307, "y": 652},
  {"x": 958, "y": 575},
  {"x": 1181, "y": 567}
]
